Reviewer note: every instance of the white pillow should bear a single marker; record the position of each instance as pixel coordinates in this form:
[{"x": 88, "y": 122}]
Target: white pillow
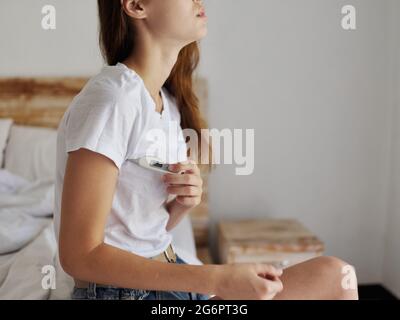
[
  {"x": 31, "y": 152},
  {"x": 5, "y": 125}
]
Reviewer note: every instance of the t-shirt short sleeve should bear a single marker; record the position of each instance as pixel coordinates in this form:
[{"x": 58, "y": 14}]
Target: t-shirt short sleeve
[{"x": 102, "y": 124}]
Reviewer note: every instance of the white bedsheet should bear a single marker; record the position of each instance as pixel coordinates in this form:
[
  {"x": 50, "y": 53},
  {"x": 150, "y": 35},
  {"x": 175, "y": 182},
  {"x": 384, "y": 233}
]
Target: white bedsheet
[
  {"x": 27, "y": 241},
  {"x": 21, "y": 272}
]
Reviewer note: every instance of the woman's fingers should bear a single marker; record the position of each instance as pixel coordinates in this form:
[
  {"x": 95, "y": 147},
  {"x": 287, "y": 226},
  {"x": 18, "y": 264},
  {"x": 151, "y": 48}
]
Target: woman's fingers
[
  {"x": 189, "y": 166},
  {"x": 188, "y": 201},
  {"x": 187, "y": 187},
  {"x": 273, "y": 287},
  {"x": 184, "y": 191},
  {"x": 185, "y": 179},
  {"x": 268, "y": 269}
]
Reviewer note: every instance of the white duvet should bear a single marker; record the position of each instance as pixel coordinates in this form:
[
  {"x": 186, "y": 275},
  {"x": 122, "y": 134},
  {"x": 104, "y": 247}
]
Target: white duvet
[{"x": 27, "y": 241}]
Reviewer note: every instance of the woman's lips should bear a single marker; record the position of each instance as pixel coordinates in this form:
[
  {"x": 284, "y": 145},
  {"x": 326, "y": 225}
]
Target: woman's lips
[{"x": 202, "y": 14}]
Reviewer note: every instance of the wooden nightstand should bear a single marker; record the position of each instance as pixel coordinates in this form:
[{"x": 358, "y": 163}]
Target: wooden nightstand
[
  {"x": 203, "y": 254},
  {"x": 267, "y": 241}
]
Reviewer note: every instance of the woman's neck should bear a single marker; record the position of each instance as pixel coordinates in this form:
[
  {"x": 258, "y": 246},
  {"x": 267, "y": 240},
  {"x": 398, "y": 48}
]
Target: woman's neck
[{"x": 153, "y": 62}]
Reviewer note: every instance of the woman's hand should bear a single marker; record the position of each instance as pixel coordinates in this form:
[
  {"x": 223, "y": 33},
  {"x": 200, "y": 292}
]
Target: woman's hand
[
  {"x": 248, "y": 281},
  {"x": 188, "y": 186}
]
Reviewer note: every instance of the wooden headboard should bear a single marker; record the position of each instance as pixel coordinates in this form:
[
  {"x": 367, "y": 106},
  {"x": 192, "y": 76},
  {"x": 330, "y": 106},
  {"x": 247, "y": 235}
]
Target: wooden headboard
[
  {"x": 37, "y": 102},
  {"x": 41, "y": 102}
]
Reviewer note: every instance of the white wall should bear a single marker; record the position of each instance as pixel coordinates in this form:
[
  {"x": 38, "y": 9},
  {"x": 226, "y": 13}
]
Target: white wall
[
  {"x": 29, "y": 50},
  {"x": 391, "y": 268},
  {"x": 319, "y": 98}
]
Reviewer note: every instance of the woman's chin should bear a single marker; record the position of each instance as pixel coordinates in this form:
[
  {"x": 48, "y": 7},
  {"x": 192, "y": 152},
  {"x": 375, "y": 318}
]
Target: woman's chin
[
  {"x": 199, "y": 36},
  {"x": 202, "y": 34}
]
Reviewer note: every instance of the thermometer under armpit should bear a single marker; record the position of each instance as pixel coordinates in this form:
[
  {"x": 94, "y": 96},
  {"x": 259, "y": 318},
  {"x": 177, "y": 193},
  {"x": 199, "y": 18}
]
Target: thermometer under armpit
[{"x": 154, "y": 164}]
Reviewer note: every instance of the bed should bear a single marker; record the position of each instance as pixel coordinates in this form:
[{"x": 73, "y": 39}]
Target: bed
[{"x": 30, "y": 111}]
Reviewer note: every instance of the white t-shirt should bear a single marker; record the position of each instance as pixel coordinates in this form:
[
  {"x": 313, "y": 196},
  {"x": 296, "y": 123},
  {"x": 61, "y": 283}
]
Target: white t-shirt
[{"x": 115, "y": 115}]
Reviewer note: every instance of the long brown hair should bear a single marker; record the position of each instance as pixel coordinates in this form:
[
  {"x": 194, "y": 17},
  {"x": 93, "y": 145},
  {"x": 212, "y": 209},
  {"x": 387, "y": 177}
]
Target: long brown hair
[{"x": 116, "y": 38}]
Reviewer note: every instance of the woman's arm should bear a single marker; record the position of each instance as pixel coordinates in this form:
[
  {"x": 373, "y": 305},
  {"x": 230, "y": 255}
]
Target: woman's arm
[
  {"x": 89, "y": 185},
  {"x": 109, "y": 265}
]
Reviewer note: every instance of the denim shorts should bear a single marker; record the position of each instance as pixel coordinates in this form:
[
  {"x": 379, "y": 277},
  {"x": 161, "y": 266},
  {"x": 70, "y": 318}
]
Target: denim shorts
[{"x": 105, "y": 292}]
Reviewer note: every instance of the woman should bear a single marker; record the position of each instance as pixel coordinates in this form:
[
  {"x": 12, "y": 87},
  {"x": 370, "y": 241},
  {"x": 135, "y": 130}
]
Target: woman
[{"x": 112, "y": 217}]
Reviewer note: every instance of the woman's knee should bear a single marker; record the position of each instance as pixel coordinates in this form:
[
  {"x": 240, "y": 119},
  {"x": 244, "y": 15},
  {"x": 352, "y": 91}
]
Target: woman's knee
[{"x": 343, "y": 279}]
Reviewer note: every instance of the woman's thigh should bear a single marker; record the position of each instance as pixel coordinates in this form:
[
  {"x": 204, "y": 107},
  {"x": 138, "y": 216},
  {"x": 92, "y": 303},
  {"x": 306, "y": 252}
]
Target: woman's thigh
[{"x": 101, "y": 292}]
